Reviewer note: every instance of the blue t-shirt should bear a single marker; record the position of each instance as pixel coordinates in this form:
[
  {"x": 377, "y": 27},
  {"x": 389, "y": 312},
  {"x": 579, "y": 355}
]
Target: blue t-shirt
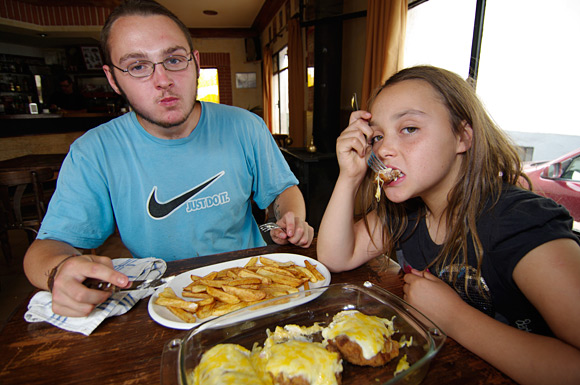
[{"x": 170, "y": 199}]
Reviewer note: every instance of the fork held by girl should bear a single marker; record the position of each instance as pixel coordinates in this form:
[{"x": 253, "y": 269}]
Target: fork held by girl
[{"x": 482, "y": 256}]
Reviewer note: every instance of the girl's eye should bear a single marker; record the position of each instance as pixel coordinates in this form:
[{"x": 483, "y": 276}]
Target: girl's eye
[
  {"x": 409, "y": 130},
  {"x": 375, "y": 139}
]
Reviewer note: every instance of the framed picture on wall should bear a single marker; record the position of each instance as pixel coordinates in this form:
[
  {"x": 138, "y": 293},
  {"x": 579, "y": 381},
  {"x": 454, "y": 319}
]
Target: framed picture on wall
[
  {"x": 246, "y": 80},
  {"x": 92, "y": 56}
]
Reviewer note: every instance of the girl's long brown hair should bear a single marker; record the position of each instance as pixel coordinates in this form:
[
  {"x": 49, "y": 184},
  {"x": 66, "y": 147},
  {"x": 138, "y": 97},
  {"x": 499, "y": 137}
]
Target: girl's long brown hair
[{"x": 491, "y": 161}]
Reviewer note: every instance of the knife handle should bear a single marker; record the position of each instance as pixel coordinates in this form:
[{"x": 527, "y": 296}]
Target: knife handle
[{"x": 97, "y": 284}]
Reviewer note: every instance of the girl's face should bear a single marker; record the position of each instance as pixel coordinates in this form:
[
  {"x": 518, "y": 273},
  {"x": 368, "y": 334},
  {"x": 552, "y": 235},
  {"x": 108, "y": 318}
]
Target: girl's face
[{"x": 413, "y": 133}]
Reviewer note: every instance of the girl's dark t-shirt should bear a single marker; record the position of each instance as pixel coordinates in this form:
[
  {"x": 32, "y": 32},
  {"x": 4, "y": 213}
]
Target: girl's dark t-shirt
[{"x": 519, "y": 222}]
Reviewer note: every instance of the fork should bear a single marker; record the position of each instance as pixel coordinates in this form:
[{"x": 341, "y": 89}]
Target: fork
[
  {"x": 265, "y": 227},
  {"x": 375, "y": 163}
]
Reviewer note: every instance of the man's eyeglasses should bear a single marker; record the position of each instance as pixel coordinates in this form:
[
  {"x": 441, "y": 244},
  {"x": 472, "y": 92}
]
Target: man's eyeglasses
[{"x": 144, "y": 68}]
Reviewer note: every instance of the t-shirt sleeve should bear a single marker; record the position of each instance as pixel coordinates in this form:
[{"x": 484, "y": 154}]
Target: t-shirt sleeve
[
  {"x": 272, "y": 175},
  {"x": 80, "y": 211},
  {"x": 523, "y": 222}
]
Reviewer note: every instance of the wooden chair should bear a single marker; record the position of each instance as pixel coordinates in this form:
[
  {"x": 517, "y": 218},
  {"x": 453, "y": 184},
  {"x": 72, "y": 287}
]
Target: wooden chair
[
  {"x": 22, "y": 203},
  {"x": 281, "y": 139}
]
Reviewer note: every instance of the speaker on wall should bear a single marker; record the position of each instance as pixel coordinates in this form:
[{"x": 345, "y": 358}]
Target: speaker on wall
[{"x": 253, "y": 49}]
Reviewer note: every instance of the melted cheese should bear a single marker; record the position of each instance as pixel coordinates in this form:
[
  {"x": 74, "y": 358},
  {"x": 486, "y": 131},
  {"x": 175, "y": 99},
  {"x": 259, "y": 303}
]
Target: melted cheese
[
  {"x": 402, "y": 365},
  {"x": 368, "y": 331},
  {"x": 226, "y": 364},
  {"x": 299, "y": 358},
  {"x": 291, "y": 332}
]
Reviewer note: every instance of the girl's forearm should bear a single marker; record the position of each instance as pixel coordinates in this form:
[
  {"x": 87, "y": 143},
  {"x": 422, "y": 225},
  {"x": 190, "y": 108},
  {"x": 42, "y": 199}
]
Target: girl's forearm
[
  {"x": 527, "y": 358},
  {"x": 336, "y": 237}
]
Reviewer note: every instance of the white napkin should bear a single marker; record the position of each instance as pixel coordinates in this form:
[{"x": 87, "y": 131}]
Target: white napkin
[{"x": 40, "y": 306}]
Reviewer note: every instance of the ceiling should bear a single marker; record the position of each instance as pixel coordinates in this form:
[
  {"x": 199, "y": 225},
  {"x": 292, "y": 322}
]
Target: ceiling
[
  {"x": 231, "y": 13},
  {"x": 234, "y": 18}
]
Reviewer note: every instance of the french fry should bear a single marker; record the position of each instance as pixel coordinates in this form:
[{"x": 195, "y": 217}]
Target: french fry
[
  {"x": 214, "y": 282},
  {"x": 314, "y": 270},
  {"x": 272, "y": 292},
  {"x": 211, "y": 275},
  {"x": 253, "y": 287},
  {"x": 278, "y": 278},
  {"x": 246, "y": 295},
  {"x": 182, "y": 314},
  {"x": 245, "y": 273},
  {"x": 279, "y": 286},
  {"x": 310, "y": 275},
  {"x": 177, "y": 302},
  {"x": 205, "y": 310},
  {"x": 223, "y": 296},
  {"x": 252, "y": 262},
  {"x": 194, "y": 287},
  {"x": 204, "y": 298},
  {"x": 279, "y": 270},
  {"x": 268, "y": 262},
  {"x": 227, "y": 308},
  {"x": 168, "y": 293}
]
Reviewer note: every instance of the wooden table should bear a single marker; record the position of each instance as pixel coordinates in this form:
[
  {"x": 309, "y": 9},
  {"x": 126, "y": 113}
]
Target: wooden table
[{"x": 127, "y": 349}]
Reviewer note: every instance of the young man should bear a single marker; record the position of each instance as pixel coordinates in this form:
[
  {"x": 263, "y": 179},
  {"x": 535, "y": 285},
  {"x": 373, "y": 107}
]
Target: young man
[{"x": 175, "y": 176}]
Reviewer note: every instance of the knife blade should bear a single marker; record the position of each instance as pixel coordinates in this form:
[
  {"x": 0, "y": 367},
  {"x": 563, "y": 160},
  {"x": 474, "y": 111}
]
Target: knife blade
[{"x": 93, "y": 283}]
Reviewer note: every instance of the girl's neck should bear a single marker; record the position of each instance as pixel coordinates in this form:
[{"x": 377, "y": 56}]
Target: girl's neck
[{"x": 436, "y": 225}]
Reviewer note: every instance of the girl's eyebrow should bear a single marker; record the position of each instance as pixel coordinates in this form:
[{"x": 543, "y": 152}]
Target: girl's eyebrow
[
  {"x": 399, "y": 115},
  {"x": 410, "y": 111}
]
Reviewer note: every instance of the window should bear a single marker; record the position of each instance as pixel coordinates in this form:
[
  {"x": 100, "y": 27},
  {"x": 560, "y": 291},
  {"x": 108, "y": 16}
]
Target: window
[
  {"x": 208, "y": 85},
  {"x": 525, "y": 73},
  {"x": 280, "y": 106},
  {"x": 439, "y": 32}
]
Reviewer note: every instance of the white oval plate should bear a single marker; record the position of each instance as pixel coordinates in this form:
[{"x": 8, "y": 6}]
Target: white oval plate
[{"x": 163, "y": 316}]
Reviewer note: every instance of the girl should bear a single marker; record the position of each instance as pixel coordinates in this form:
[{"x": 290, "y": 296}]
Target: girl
[{"x": 496, "y": 266}]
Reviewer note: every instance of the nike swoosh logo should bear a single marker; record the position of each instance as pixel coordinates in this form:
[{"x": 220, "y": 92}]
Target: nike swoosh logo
[{"x": 159, "y": 210}]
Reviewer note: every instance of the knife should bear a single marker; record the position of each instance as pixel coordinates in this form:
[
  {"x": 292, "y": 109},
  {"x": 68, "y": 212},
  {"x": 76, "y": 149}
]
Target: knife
[{"x": 93, "y": 283}]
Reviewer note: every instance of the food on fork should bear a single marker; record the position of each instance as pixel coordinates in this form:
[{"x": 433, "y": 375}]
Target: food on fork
[
  {"x": 389, "y": 175},
  {"x": 361, "y": 339}
]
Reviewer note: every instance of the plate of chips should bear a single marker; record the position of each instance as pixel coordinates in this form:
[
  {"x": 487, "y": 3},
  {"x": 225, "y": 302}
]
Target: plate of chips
[{"x": 211, "y": 291}]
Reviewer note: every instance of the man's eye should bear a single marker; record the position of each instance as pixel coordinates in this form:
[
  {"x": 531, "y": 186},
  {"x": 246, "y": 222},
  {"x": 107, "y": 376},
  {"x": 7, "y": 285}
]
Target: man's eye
[
  {"x": 375, "y": 139},
  {"x": 137, "y": 67},
  {"x": 173, "y": 60},
  {"x": 409, "y": 130}
]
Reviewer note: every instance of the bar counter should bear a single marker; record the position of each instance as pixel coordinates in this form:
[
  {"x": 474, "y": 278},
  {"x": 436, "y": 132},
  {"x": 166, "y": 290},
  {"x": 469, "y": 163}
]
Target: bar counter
[{"x": 54, "y": 123}]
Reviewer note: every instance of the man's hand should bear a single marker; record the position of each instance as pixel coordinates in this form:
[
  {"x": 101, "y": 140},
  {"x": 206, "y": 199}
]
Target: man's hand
[
  {"x": 73, "y": 299},
  {"x": 293, "y": 230}
]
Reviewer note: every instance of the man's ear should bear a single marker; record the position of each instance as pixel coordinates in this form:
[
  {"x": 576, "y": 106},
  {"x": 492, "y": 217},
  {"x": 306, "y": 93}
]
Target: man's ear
[
  {"x": 465, "y": 138},
  {"x": 111, "y": 79}
]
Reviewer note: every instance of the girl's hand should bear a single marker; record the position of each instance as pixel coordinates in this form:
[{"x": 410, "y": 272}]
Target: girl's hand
[
  {"x": 352, "y": 145},
  {"x": 435, "y": 298}
]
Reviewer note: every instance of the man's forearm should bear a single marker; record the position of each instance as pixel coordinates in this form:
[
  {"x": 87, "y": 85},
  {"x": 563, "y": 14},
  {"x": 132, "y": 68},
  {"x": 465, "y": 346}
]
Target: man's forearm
[
  {"x": 292, "y": 200},
  {"x": 41, "y": 257}
]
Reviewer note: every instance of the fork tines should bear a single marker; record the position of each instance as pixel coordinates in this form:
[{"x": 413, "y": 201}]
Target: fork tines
[
  {"x": 268, "y": 226},
  {"x": 375, "y": 163}
]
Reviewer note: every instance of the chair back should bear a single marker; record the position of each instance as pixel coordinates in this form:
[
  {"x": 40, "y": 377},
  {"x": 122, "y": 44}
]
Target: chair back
[
  {"x": 280, "y": 139},
  {"x": 21, "y": 189}
]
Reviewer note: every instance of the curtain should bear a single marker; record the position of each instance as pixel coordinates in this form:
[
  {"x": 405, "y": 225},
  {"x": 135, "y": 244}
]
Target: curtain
[
  {"x": 296, "y": 82},
  {"x": 267, "y": 85},
  {"x": 385, "y": 38}
]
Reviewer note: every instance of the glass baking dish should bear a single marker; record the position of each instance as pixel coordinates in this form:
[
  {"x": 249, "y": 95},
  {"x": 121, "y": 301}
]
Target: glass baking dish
[{"x": 248, "y": 326}]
